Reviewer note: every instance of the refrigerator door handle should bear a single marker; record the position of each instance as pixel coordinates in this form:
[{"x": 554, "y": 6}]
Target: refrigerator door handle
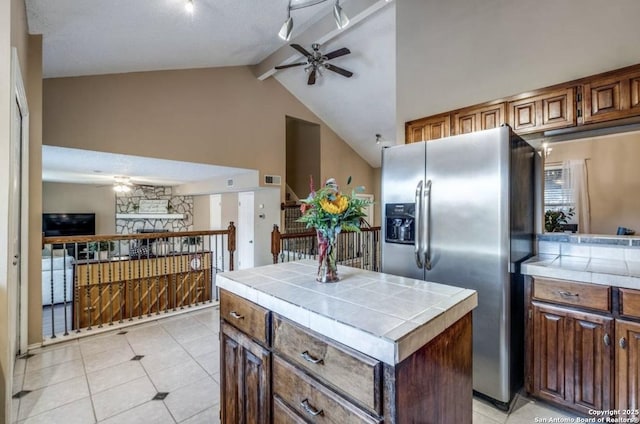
[
  {"x": 425, "y": 224},
  {"x": 418, "y": 225}
]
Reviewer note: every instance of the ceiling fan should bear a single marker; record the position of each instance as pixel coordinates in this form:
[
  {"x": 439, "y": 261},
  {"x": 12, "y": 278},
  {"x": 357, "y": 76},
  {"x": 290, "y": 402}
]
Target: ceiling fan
[{"x": 316, "y": 61}]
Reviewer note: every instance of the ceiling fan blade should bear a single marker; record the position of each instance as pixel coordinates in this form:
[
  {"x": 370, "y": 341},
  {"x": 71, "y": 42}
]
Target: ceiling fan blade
[
  {"x": 312, "y": 77},
  {"x": 339, "y": 70},
  {"x": 337, "y": 53},
  {"x": 301, "y": 49},
  {"x": 290, "y": 65}
]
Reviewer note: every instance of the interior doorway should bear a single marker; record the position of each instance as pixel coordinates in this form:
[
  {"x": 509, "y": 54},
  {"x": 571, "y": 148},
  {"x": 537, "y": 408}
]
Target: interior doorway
[{"x": 302, "y": 157}]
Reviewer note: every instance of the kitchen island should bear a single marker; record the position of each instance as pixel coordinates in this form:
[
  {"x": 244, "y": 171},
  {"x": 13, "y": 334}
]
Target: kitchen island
[{"x": 371, "y": 348}]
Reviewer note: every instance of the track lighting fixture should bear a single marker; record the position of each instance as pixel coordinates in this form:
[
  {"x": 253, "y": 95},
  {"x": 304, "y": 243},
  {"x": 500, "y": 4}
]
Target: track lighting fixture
[
  {"x": 378, "y": 139},
  {"x": 341, "y": 18},
  {"x": 287, "y": 28}
]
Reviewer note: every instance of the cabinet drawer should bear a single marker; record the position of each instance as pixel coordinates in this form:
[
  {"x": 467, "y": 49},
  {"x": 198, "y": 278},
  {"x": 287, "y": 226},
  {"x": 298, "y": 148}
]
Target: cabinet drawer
[
  {"x": 282, "y": 414},
  {"x": 311, "y": 399},
  {"x": 245, "y": 316},
  {"x": 630, "y": 302},
  {"x": 357, "y": 375},
  {"x": 585, "y": 295}
]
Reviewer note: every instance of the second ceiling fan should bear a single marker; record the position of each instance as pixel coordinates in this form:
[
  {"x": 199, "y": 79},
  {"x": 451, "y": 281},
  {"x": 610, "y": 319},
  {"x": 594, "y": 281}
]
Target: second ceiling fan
[{"x": 316, "y": 61}]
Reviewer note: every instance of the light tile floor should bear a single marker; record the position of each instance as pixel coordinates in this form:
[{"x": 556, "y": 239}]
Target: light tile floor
[{"x": 95, "y": 380}]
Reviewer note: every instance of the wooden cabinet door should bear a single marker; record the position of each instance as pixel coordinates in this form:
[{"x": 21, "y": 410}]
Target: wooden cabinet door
[
  {"x": 549, "y": 353},
  {"x": 591, "y": 384},
  {"x": 572, "y": 358},
  {"x": 551, "y": 110},
  {"x": 245, "y": 369},
  {"x": 479, "y": 118},
  {"x": 610, "y": 98},
  {"x": 428, "y": 129},
  {"x": 627, "y": 365}
]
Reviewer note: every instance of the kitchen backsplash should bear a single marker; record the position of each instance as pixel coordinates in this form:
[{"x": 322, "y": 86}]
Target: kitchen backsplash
[{"x": 590, "y": 246}]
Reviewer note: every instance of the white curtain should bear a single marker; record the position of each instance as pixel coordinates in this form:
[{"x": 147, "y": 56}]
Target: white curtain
[{"x": 575, "y": 176}]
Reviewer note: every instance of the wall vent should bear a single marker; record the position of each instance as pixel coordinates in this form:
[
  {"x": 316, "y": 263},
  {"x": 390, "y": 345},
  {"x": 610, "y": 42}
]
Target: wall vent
[
  {"x": 275, "y": 180},
  {"x": 230, "y": 182}
]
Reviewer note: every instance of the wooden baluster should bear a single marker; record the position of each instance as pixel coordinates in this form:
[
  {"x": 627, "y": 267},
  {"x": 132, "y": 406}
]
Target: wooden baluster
[
  {"x": 275, "y": 243},
  {"x": 231, "y": 243}
]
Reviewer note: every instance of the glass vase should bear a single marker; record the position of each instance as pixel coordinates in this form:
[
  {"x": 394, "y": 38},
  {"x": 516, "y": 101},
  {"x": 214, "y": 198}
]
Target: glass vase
[{"x": 327, "y": 267}]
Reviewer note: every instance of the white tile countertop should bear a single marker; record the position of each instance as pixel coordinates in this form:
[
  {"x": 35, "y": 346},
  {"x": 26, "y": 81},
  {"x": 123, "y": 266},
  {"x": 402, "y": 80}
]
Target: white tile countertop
[
  {"x": 384, "y": 316},
  {"x": 610, "y": 272}
]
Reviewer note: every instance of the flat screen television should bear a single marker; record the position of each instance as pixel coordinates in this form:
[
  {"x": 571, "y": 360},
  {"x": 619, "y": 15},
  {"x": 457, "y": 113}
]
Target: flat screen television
[{"x": 68, "y": 224}]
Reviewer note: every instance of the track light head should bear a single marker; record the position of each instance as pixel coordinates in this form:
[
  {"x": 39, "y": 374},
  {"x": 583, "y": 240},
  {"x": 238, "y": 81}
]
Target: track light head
[
  {"x": 287, "y": 28},
  {"x": 341, "y": 18}
]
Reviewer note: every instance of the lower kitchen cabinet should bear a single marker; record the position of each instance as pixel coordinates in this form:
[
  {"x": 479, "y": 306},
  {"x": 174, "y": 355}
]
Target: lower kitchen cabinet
[
  {"x": 583, "y": 345},
  {"x": 572, "y": 357},
  {"x": 628, "y": 365},
  {"x": 274, "y": 370},
  {"x": 246, "y": 378}
]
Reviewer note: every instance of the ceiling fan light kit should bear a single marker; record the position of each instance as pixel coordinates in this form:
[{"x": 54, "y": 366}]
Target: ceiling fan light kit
[
  {"x": 287, "y": 28},
  {"x": 189, "y": 6}
]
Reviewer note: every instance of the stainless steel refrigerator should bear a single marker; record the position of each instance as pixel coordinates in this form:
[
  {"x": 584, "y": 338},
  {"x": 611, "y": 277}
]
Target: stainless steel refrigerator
[{"x": 459, "y": 211}]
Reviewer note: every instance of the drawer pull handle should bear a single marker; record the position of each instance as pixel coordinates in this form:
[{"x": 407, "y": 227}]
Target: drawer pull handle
[
  {"x": 567, "y": 294},
  {"x": 310, "y": 409},
  {"x": 623, "y": 343},
  {"x": 607, "y": 340},
  {"x": 236, "y": 315},
  {"x": 307, "y": 357}
]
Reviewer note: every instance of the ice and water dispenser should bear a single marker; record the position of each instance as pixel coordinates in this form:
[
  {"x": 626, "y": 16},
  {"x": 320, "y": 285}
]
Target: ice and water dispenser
[{"x": 400, "y": 223}]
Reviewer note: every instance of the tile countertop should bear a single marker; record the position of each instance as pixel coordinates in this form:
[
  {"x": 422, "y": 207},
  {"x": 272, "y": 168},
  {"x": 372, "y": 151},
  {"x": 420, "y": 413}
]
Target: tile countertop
[
  {"x": 610, "y": 272},
  {"x": 384, "y": 316}
]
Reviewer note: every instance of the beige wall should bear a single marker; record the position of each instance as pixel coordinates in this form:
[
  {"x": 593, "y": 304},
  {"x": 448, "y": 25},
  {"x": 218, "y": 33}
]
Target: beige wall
[
  {"x": 82, "y": 198},
  {"x": 613, "y": 178},
  {"x": 34, "y": 98},
  {"x": 201, "y": 210},
  {"x": 221, "y": 116}
]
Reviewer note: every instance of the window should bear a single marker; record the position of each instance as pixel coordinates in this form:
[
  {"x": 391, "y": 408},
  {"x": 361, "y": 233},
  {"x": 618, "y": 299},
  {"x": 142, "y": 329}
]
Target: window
[{"x": 558, "y": 195}]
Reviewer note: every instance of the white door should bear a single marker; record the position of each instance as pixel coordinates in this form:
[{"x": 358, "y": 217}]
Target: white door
[
  {"x": 18, "y": 213},
  {"x": 219, "y": 246},
  {"x": 245, "y": 231}
]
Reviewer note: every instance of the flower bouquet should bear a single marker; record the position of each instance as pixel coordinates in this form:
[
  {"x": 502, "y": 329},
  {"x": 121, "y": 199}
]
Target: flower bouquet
[{"x": 330, "y": 211}]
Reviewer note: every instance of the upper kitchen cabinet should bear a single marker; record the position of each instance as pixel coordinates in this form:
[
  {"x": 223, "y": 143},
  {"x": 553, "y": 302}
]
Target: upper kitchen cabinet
[
  {"x": 549, "y": 110},
  {"x": 479, "y": 118},
  {"x": 428, "y": 128},
  {"x": 611, "y": 97}
]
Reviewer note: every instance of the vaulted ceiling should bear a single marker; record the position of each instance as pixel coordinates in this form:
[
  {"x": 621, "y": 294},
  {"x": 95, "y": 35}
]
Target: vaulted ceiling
[{"x": 412, "y": 59}]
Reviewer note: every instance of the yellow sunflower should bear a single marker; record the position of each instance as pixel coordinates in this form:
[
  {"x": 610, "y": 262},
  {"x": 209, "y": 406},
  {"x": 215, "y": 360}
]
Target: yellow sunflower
[{"x": 335, "y": 207}]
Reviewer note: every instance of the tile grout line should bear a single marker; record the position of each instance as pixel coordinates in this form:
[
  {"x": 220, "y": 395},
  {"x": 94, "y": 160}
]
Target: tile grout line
[
  {"x": 86, "y": 376},
  {"x": 146, "y": 372},
  {"x": 196, "y": 361}
]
